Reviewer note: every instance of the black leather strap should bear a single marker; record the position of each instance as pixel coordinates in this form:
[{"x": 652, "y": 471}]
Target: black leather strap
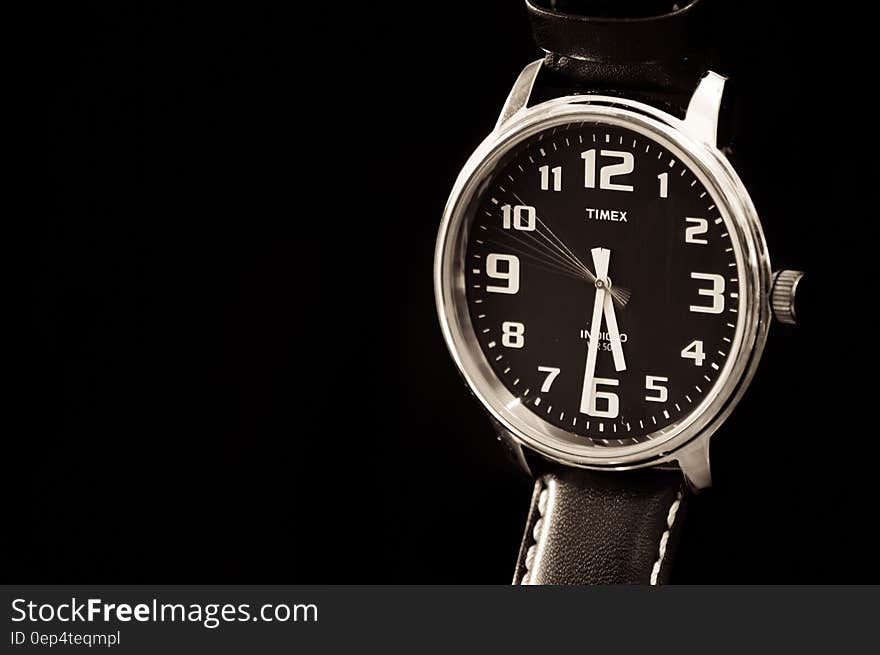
[
  {"x": 589, "y": 527},
  {"x": 654, "y": 50}
]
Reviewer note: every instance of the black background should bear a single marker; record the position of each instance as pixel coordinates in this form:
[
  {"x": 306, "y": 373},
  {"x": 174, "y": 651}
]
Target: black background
[{"x": 235, "y": 366}]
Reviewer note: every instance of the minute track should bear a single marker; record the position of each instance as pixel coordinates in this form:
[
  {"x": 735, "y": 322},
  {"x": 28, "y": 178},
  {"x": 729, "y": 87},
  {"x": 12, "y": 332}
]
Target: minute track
[{"x": 536, "y": 312}]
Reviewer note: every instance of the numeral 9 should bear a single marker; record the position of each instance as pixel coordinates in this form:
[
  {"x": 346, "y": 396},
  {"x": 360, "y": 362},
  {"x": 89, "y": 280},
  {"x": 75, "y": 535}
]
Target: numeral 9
[{"x": 510, "y": 273}]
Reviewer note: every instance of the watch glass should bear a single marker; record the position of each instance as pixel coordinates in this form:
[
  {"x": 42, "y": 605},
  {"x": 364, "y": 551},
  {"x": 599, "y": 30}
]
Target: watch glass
[{"x": 602, "y": 281}]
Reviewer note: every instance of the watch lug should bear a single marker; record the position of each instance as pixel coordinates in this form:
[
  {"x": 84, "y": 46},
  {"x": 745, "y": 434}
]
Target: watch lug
[
  {"x": 520, "y": 93},
  {"x": 512, "y": 447},
  {"x": 694, "y": 463},
  {"x": 701, "y": 121}
]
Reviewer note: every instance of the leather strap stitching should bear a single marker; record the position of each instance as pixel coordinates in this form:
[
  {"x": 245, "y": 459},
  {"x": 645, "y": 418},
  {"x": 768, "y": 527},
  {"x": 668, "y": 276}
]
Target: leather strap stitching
[
  {"x": 532, "y": 550},
  {"x": 664, "y": 538}
]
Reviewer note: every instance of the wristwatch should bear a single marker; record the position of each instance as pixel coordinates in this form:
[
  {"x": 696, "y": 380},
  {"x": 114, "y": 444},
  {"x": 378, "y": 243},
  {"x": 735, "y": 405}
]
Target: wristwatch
[{"x": 603, "y": 283}]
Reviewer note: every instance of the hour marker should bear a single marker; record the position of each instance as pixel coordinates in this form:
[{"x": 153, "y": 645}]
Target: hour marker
[
  {"x": 714, "y": 365},
  {"x": 671, "y": 163},
  {"x": 491, "y": 344},
  {"x": 607, "y": 138},
  {"x": 734, "y": 295},
  {"x": 494, "y": 201},
  {"x": 665, "y": 414},
  {"x": 537, "y": 401},
  {"x": 476, "y": 271},
  {"x": 718, "y": 220},
  {"x": 541, "y": 150},
  {"x": 601, "y": 427}
]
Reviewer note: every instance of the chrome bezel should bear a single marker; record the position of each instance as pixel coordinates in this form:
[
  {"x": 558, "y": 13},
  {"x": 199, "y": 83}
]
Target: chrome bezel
[{"x": 753, "y": 264}]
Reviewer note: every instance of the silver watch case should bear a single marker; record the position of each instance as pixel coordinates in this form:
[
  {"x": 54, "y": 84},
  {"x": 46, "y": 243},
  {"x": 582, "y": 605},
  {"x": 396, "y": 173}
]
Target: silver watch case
[{"x": 693, "y": 140}]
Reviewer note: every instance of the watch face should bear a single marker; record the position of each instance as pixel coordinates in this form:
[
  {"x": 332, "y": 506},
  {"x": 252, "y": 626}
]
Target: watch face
[{"x": 602, "y": 281}]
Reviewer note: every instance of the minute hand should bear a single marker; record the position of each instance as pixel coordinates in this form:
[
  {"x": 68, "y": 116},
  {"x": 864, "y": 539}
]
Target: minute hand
[
  {"x": 600, "y": 260},
  {"x": 614, "y": 334}
]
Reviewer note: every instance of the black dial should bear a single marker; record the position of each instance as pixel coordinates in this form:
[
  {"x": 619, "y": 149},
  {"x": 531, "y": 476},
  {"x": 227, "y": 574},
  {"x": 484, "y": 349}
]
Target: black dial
[{"x": 602, "y": 282}]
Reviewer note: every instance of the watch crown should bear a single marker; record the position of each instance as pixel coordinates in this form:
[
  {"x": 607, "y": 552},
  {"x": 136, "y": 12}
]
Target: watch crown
[{"x": 782, "y": 295}]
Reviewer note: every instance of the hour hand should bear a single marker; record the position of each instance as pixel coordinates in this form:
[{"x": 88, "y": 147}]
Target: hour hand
[
  {"x": 602, "y": 261},
  {"x": 546, "y": 244}
]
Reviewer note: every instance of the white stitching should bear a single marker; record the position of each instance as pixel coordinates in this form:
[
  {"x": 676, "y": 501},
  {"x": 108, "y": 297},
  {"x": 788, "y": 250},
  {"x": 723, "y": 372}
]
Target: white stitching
[
  {"x": 536, "y": 531},
  {"x": 670, "y": 520}
]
